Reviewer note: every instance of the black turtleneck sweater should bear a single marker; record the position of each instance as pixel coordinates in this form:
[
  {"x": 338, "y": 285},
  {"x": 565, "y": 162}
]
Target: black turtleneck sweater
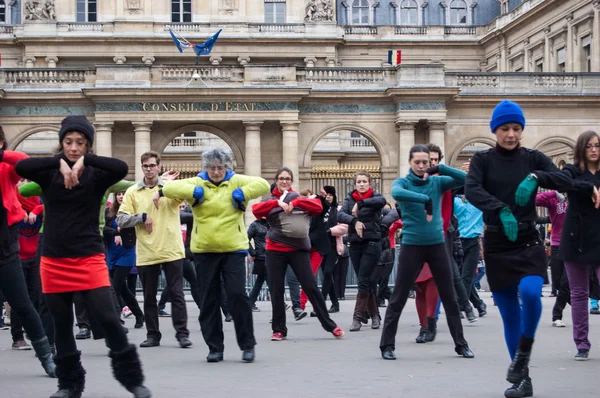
[
  {"x": 495, "y": 174},
  {"x": 71, "y": 221}
]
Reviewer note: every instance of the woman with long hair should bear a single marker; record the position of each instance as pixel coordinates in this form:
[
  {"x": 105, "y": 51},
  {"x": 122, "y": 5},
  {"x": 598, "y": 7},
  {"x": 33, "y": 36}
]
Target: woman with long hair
[
  {"x": 419, "y": 196},
  {"x": 120, "y": 249},
  {"x": 580, "y": 240},
  {"x": 73, "y": 184},
  {"x": 288, "y": 242},
  {"x": 361, "y": 211}
]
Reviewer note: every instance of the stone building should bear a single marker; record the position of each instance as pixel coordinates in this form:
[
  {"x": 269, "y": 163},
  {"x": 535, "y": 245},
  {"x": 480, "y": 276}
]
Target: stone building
[{"x": 285, "y": 74}]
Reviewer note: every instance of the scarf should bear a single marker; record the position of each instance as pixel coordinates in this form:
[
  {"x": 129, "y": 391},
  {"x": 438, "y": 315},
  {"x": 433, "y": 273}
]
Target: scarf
[{"x": 358, "y": 197}]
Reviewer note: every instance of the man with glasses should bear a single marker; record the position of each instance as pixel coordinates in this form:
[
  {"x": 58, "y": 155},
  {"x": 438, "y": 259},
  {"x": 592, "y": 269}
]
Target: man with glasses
[{"x": 159, "y": 244}]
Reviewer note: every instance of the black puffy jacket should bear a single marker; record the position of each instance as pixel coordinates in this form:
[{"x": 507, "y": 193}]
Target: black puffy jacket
[{"x": 369, "y": 213}]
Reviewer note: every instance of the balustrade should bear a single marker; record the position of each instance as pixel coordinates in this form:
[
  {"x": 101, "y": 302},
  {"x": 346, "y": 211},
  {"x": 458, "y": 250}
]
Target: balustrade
[
  {"x": 361, "y": 30},
  {"x": 460, "y": 30},
  {"x": 85, "y": 27},
  {"x": 411, "y": 30},
  {"x": 47, "y": 76},
  {"x": 220, "y": 74}
]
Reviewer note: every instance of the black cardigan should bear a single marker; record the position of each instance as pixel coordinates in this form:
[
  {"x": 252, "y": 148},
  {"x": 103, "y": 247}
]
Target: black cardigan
[
  {"x": 127, "y": 234},
  {"x": 580, "y": 239},
  {"x": 71, "y": 222}
]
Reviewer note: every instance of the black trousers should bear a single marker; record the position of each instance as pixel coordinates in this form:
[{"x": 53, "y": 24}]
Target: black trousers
[
  {"x": 460, "y": 291},
  {"x": 260, "y": 280},
  {"x": 119, "y": 280},
  {"x": 365, "y": 256},
  {"x": 340, "y": 274},
  {"x": 563, "y": 295},
  {"x": 31, "y": 273},
  {"x": 189, "y": 274},
  {"x": 100, "y": 302},
  {"x": 149, "y": 275},
  {"x": 231, "y": 267},
  {"x": 299, "y": 261},
  {"x": 14, "y": 288},
  {"x": 328, "y": 266},
  {"x": 85, "y": 319},
  {"x": 132, "y": 283},
  {"x": 469, "y": 269},
  {"x": 410, "y": 263}
]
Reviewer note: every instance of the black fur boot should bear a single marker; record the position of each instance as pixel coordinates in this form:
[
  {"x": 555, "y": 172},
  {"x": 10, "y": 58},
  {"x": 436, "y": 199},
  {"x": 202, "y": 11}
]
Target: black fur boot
[
  {"x": 127, "y": 369},
  {"x": 44, "y": 353},
  {"x": 71, "y": 376}
]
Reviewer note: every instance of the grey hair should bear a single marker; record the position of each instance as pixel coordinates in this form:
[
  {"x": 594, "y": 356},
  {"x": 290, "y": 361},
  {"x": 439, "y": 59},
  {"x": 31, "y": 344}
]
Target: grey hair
[{"x": 217, "y": 155}]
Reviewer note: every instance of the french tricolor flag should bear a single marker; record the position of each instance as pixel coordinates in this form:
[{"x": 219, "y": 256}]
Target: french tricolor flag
[{"x": 394, "y": 57}]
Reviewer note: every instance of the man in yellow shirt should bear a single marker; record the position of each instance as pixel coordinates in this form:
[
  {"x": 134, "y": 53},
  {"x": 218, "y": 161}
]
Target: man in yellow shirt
[{"x": 159, "y": 244}]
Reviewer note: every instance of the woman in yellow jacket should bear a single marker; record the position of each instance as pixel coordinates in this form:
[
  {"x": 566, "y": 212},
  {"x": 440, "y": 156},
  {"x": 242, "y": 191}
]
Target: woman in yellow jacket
[{"x": 220, "y": 245}]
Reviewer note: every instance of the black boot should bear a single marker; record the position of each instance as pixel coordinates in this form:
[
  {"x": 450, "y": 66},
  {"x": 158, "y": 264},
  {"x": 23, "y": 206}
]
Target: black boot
[
  {"x": 373, "y": 310},
  {"x": 44, "y": 353},
  {"x": 421, "y": 337},
  {"x": 71, "y": 376},
  {"x": 359, "y": 309},
  {"x": 524, "y": 388},
  {"x": 431, "y": 330},
  {"x": 518, "y": 369},
  {"x": 127, "y": 369},
  {"x": 139, "y": 321}
]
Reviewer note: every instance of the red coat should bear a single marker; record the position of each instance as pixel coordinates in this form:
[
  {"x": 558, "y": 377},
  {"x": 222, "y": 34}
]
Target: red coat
[{"x": 8, "y": 185}]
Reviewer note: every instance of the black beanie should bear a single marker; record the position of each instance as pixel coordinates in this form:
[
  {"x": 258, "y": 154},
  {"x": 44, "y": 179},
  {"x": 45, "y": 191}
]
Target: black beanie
[
  {"x": 77, "y": 123},
  {"x": 329, "y": 189}
]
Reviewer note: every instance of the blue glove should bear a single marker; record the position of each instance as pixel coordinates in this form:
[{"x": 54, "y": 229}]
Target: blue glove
[
  {"x": 237, "y": 199},
  {"x": 238, "y": 195},
  {"x": 510, "y": 224},
  {"x": 198, "y": 196},
  {"x": 526, "y": 188}
]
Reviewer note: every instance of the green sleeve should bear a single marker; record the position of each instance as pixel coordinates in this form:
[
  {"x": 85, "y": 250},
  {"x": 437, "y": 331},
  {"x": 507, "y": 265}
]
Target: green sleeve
[
  {"x": 252, "y": 187},
  {"x": 181, "y": 189},
  {"x": 30, "y": 189},
  {"x": 401, "y": 194},
  {"x": 457, "y": 176},
  {"x": 120, "y": 186}
]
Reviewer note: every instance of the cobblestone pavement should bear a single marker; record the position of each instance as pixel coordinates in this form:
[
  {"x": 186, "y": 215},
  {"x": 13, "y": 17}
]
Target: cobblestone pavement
[{"x": 311, "y": 363}]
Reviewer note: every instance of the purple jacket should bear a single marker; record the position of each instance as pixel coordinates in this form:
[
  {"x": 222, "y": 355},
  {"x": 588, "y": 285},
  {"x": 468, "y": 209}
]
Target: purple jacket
[{"x": 556, "y": 211}]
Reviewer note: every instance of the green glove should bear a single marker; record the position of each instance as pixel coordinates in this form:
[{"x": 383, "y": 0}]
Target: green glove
[
  {"x": 525, "y": 190},
  {"x": 510, "y": 224}
]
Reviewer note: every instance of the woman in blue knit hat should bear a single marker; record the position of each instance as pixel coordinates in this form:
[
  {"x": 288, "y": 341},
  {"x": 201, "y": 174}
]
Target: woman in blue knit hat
[{"x": 502, "y": 183}]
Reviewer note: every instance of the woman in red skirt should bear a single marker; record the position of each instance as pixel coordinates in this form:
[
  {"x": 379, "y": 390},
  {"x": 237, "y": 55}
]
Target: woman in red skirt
[{"x": 73, "y": 184}]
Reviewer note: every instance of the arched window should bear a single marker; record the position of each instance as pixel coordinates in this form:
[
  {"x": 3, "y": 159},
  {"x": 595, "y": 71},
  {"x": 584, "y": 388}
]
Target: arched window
[
  {"x": 458, "y": 12},
  {"x": 409, "y": 12},
  {"x": 360, "y": 12}
]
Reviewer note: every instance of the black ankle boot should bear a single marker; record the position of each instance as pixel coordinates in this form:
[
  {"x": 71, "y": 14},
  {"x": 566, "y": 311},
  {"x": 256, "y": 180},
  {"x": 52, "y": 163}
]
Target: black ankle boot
[
  {"x": 524, "y": 388},
  {"x": 421, "y": 337},
  {"x": 127, "y": 369},
  {"x": 71, "y": 376},
  {"x": 43, "y": 351},
  {"x": 139, "y": 321},
  {"x": 518, "y": 369},
  {"x": 431, "y": 330}
]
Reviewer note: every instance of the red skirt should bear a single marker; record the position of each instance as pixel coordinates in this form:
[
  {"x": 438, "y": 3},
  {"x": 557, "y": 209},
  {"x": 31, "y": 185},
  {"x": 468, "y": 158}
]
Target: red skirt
[
  {"x": 63, "y": 275},
  {"x": 425, "y": 274}
]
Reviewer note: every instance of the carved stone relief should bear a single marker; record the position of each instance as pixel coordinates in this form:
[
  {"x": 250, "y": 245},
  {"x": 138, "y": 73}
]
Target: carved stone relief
[
  {"x": 38, "y": 10},
  {"x": 134, "y": 6},
  {"x": 318, "y": 11},
  {"x": 229, "y": 7}
]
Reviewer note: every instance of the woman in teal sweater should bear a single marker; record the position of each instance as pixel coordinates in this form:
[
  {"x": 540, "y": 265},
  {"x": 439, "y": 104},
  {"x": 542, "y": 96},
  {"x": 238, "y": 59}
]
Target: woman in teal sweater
[{"x": 419, "y": 197}]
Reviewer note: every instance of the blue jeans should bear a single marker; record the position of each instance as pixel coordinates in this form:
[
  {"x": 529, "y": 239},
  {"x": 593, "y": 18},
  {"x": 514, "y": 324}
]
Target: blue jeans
[{"x": 594, "y": 303}]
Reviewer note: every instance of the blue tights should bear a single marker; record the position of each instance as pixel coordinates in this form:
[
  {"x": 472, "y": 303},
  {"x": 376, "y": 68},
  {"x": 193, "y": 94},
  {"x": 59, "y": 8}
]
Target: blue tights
[{"x": 520, "y": 318}]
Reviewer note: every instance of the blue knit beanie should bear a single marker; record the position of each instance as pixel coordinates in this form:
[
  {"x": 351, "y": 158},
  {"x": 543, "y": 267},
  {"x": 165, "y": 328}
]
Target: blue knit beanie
[{"x": 507, "y": 112}]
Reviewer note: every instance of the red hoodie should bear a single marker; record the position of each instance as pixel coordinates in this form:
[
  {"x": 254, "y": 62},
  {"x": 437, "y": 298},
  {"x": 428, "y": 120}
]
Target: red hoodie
[
  {"x": 29, "y": 234},
  {"x": 8, "y": 185}
]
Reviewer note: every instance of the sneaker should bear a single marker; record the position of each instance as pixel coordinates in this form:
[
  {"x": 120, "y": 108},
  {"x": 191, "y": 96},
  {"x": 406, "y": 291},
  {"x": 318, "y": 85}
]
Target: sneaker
[
  {"x": 595, "y": 311},
  {"x": 83, "y": 334},
  {"x": 559, "y": 324},
  {"x": 482, "y": 310},
  {"x": 298, "y": 315},
  {"x": 127, "y": 312},
  {"x": 21, "y": 345},
  {"x": 338, "y": 333},
  {"x": 3, "y": 326},
  {"x": 471, "y": 316},
  {"x": 582, "y": 355},
  {"x": 287, "y": 306},
  {"x": 277, "y": 336},
  {"x": 228, "y": 318},
  {"x": 255, "y": 308},
  {"x": 163, "y": 312}
]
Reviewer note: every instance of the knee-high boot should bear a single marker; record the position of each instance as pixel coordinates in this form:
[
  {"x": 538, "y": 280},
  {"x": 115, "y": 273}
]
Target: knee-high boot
[
  {"x": 44, "y": 353},
  {"x": 359, "y": 309},
  {"x": 373, "y": 310},
  {"x": 127, "y": 369},
  {"x": 71, "y": 375}
]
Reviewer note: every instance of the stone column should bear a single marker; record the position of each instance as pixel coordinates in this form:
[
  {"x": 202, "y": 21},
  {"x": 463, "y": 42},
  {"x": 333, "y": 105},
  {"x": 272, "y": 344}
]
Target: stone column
[
  {"x": 570, "y": 46},
  {"x": 547, "y": 54},
  {"x": 142, "y": 144},
  {"x": 406, "y": 131},
  {"x": 289, "y": 154},
  {"x": 252, "y": 161},
  {"x": 596, "y": 38},
  {"x": 437, "y": 135},
  {"x": 104, "y": 139}
]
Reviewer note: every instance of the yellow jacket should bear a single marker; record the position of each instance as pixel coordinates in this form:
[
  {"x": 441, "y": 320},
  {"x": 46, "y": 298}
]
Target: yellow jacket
[{"x": 218, "y": 225}]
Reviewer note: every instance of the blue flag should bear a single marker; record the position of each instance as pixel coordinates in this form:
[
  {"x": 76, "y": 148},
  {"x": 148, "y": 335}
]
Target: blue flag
[{"x": 200, "y": 49}]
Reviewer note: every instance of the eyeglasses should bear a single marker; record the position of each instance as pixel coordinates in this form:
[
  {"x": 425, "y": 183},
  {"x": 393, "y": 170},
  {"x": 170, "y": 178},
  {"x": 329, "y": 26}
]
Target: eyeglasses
[
  {"x": 149, "y": 166},
  {"x": 284, "y": 179},
  {"x": 216, "y": 168},
  {"x": 594, "y": 146}
]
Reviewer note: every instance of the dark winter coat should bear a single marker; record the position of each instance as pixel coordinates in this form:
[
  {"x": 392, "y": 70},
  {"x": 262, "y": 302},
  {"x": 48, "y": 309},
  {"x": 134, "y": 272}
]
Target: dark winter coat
[{"x": 369, "y": 213}]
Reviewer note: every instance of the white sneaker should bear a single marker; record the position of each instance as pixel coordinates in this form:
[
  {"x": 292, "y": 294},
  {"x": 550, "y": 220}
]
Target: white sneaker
[
  {"x": 559, "y": 324},
  {"x": 127, "y": 312}
]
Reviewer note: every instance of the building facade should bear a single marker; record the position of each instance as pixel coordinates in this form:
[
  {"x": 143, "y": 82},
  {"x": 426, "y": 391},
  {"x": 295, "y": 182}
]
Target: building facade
[{"x": 300, "y": 83}]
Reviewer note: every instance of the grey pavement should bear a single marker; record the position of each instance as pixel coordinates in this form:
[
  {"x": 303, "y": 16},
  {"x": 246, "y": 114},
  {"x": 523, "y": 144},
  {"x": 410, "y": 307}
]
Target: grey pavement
[{"x": 311, "y": 363}]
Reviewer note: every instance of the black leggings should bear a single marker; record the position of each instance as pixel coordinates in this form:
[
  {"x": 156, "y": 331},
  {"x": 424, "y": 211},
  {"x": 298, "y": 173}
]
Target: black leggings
[
  {"x": 100, "y": 302},
  {"x": 119, "y": 280},
  {"x": 410, "y": 262},
  {"x": 328, "y": 266}
]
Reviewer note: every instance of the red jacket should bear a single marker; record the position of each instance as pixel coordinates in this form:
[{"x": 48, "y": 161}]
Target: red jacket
[{"x": 8, "y": 185}]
